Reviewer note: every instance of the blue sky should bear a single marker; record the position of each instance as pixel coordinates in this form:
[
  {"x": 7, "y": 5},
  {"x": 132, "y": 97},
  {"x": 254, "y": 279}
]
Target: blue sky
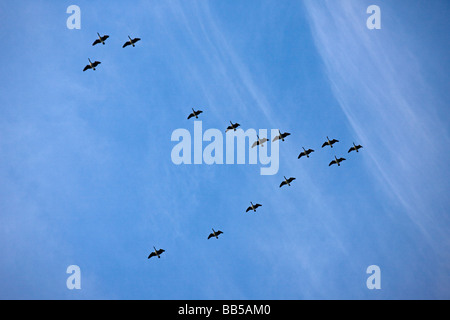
[{"x": 86, "y": 176}]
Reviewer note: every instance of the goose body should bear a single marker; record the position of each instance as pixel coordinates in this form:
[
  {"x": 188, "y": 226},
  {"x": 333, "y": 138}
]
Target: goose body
[
  {"x": 336, "y": 161},
  {"x": 100, "y": 39},
  {"x": 305, "y": 153},
  {"x": 260, "y": 142},
  {"x": 195, "y": 114},
  {"x": 131, "y": 42},
  {"x": 215, "y": 234},
  {"x": 156, "y": 253},
  {"x": 329, "y": 142},
  {"x": 91, "y": 65},
  {"x": 253, "y": 207},
  {"x": 281, "y": 136},
  {"x": 287, "y": 181},
  {"x": 355, "y": 148},
  {"x": 233, "y": 126}
]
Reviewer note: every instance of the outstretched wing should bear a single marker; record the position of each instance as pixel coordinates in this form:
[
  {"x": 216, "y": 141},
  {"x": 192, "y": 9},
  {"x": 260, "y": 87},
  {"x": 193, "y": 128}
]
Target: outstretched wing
[
  {"x": 87, "y": 67},
  {"x": 301, "y": 155},
  {"x": 276, "y": 138},
  {"x": 255, "y": 144},
  {"x": 325, "y": 144},
  {"x": 210, "y": 236},
  {"x": 96, "y": 63},
  {"x": 332, "y": 162},
  {"x": 248, "y": 209},
  {"x": 282, "y": 184},
  {"x": 105, "y": 37},
  {"x": 136, "y": 40},
  {"x": 151, "y": 255},
  {"x": 351, "y": 149},
  {"x": 97, "y": 41},
  {"x": 286, "y": 134},
  {"x": 160, "y": 251},
  {"x": 291, "y": 179},
  {"x": 191, "y": 115},
  {"x": 126, "y": 44}
]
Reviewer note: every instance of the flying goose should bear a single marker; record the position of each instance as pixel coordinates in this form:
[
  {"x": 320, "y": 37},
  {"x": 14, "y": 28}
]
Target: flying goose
[
  {"x": 281, "y": 136},
  {"x": 287, "y": 182},
  {"x": 355, "y": 148},
  {"x": 336, "y": 161},
  {"x": 195, "y": 113},
  {"x": 215, "y": 234},
  {"x": 91, "y": 65},
  {"x": 329, "y": 143},
  {"x": 100, "y": 39},
  {"x": 253, "y": 207},
  {"x": 260, "y": 142},
  {"x": 156, "y": 253},
  {"x": 305, "y": 153},
  {"x": 233, "y": 126},
  {"x": 131, "y": 42}
]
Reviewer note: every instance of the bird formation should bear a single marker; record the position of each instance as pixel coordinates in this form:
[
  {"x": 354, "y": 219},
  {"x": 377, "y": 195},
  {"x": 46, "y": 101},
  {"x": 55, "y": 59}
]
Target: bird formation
[
  {"x": 102, "y": 40},
  {"x": 260, "y": 142},
  {"x": 233, "y": 127}
]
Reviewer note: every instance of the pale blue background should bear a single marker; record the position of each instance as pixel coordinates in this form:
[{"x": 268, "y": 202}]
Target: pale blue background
[{"x": 86, "y": 176}]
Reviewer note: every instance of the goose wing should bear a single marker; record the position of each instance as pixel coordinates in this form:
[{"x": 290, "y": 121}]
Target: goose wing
[
  {"x": 126, "y": 44},
  {"x": 160, "y": 251},
  {"x": 151, "y": 255},
  {"x": 258, "y": 205},
  {"x": 97, "y": 41},
  {"x": 248, "y": 209},
  {"x": 351, "y": 149},
  {"x": 210, "y": 235},
  {"x": 276, "y": 138},
  {"x": 325, "y": 144},
  {"x": 283, "y": 183},
  {"x": 87, "y": 67},
  {"x": 96, "y": 63},
  {"x": 136, "y": 40},
  {"x": 191, "y": 115},
  {"x": 301, "y": 155},
  {"x": 286, "y": 134},
  {"x": 291, "y": 179},
  {"x": 332, "y": 162},
  {"x": 105, "y": 37},
  {"x": 255, "y": 144}
]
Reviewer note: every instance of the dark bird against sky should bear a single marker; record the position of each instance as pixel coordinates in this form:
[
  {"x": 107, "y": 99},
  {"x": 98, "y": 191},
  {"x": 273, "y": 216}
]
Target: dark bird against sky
[
  {"x": 131, "y": 42},
  {"x": 91, "y": 65},
  {"x": 100, "y": 39}
]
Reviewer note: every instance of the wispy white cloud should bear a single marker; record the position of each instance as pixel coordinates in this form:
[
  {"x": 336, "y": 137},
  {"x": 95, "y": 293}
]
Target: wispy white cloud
[{"x": 381, "y": 87}]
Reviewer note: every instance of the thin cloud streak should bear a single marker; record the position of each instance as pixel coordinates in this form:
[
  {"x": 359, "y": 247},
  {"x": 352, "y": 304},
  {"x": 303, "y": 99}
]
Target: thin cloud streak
[{"x": 384, "y": 95}]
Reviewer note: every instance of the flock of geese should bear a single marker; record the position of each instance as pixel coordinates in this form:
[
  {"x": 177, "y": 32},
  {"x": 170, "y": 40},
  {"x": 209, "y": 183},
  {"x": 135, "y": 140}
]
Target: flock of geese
[
  {"x": 102, "y": 39},
  {"x": 233, "y": 126}
]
